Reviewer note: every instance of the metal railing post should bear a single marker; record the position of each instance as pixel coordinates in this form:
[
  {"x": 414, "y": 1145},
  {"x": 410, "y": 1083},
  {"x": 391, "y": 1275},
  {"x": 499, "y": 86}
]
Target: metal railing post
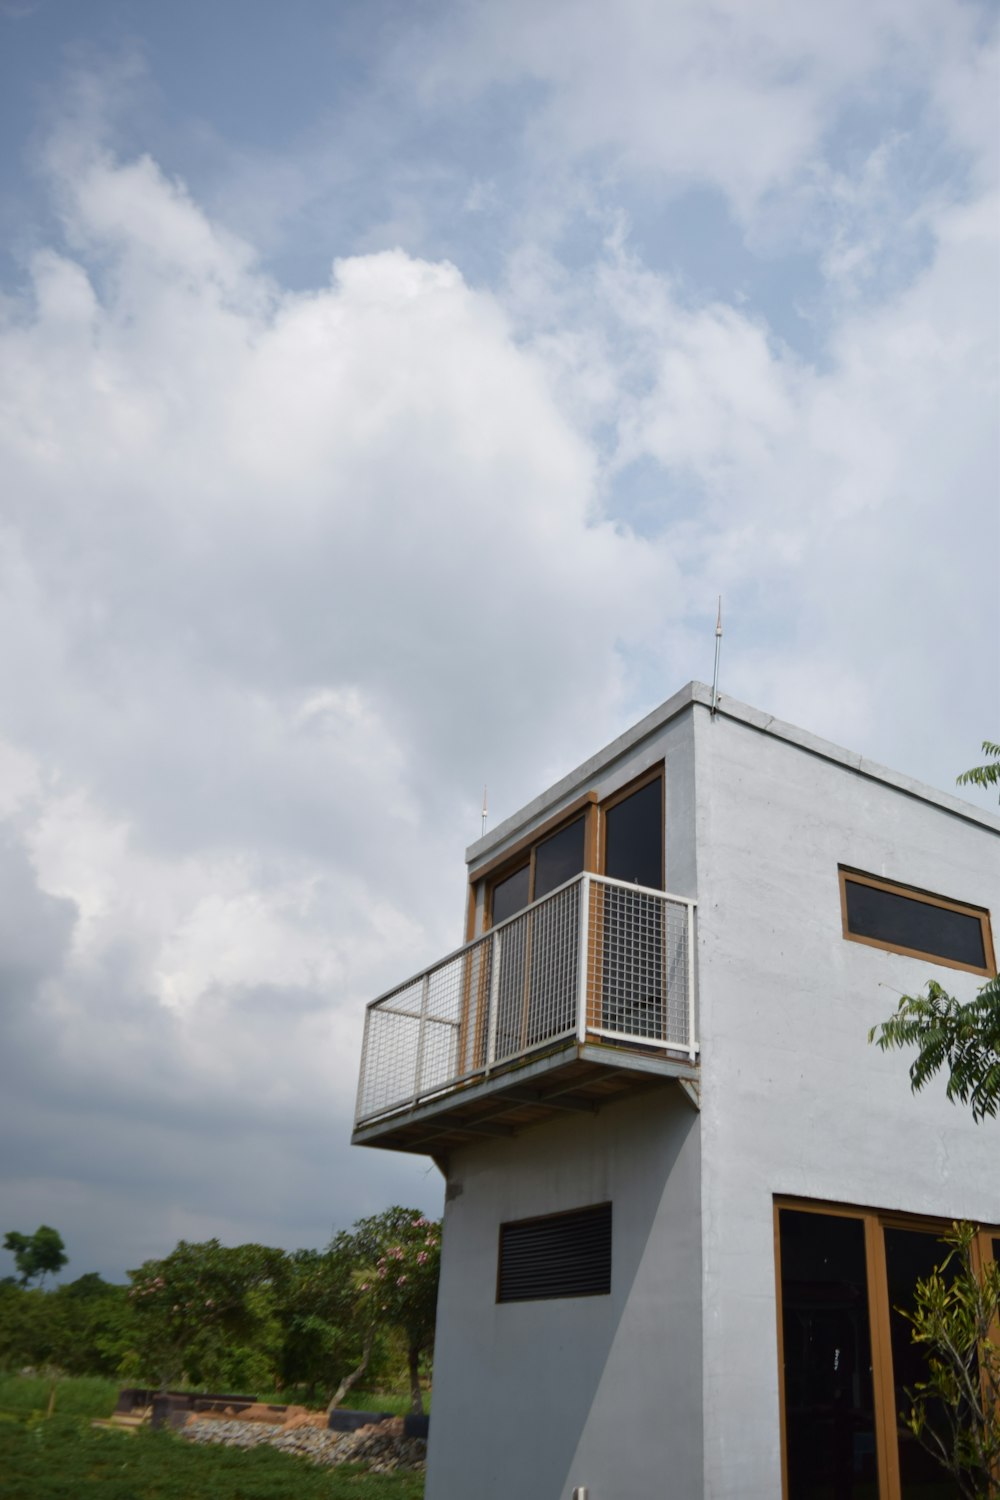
[
  {"x": 582, "y": 956},
  {"x": 425, "y": 992},
  {"x": 692, "y": 1036},
  {"x": 493, "y": 1002},
  {"x": 363, "y": 1070}
]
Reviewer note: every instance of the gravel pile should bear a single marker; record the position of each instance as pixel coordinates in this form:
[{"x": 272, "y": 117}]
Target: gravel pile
[{"x": 383, "y": 1447}]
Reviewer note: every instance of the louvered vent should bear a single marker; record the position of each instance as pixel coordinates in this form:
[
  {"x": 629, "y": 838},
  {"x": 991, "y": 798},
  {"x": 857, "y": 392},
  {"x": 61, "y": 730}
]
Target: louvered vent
[{"x": 562, "y": 1255}]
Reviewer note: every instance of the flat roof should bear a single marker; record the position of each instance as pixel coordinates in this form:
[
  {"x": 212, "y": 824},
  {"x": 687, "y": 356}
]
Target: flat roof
[{"x": 698, "y": 694}]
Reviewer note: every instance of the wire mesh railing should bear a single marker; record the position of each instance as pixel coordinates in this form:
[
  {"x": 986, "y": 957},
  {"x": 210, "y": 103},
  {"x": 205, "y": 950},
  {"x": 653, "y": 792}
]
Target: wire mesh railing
[{"x": 597, "y": 958}]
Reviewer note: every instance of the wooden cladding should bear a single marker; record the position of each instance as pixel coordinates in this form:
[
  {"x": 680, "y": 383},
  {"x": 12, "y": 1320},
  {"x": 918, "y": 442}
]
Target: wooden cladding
[
  {"x": 902, "y": 919},
  {"x": 560, "y": 1255}
]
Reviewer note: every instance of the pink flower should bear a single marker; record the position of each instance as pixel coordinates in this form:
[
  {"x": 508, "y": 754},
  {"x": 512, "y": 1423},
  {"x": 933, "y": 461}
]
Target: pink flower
[
  {"x": 401, "y": 1280},
  {"x": 422, "y": 1256},
  {"x": 364, "y": 1286}
]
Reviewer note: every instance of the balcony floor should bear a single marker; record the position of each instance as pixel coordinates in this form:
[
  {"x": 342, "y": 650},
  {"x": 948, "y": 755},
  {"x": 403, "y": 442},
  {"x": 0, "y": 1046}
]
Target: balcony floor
[{"x": 570, "y": 1078}]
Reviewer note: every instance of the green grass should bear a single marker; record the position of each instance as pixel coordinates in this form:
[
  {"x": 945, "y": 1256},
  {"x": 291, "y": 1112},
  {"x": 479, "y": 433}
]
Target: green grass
[
  {"x": 398, "y": 1402},
  {"x": 64, "y": 1458},
  {"x": 79, "y": 1395}
]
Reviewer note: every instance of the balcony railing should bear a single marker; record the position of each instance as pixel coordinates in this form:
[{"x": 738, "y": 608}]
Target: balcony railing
[{"x": 598, "y": 960}]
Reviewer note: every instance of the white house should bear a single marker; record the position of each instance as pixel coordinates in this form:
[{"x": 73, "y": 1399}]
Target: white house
[{"x": 684, "y": 1194}]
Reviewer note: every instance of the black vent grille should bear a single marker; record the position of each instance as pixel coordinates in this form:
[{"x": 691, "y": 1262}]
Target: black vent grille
[{"x": 562, "y": 1255}]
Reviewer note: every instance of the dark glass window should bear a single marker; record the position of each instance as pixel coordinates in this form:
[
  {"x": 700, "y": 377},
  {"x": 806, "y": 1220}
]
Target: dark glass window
[
  {"x": 510, "y": 895},
  {"x": 902, "y": 920},
  {"x": 911, "y": 1255},
  {"x": 633, "y": 837},
  {"x": 558, "y": 858},
  {"x": 563, "y": 1255},
  {"x": 826, "y": 1341}
]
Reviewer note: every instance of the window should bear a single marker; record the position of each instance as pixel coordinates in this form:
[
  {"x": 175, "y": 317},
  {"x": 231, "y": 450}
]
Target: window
[
  {"x": 629, "y": 925},
  {"x": 532, "y": 1001},
  {"x": 552, "y": 855},
  {"x": 621, "y": 837},
  {"x": 904, "y": 920},
  {"x": 846, "y": 1358},
  {"x": 633, "y": 834},
  {"x": 560, "y": 1255}
]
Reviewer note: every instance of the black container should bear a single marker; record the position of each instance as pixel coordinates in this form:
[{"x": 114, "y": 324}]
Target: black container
[{"x": 341, "y": 1420}]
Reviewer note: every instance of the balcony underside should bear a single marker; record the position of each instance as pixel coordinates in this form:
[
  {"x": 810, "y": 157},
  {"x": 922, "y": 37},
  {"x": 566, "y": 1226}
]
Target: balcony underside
[{"x": 570, "y": 1078}]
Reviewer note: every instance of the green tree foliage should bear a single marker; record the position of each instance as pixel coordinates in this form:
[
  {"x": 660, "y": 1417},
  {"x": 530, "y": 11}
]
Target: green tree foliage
[
  {"x": 248, "y": 1318},
  {"x": 210, "y": 1314},
  {"x": 36, "y": 1255},
  {"x": 397, "y": 1282},
  {"x": 955, "y": 1412},
  {"x": 962, "y": 1038},
  {"x": 986, "y": 775},
  {"x": 322, "y": 1333}
]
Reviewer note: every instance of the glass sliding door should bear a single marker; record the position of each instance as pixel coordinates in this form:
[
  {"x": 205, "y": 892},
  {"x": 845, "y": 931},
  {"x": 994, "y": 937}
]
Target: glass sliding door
[
  {"x": 910, "y": 1256},
  {"x": 826, "y": 1339},
  {"x": 846, "y": 1279}
]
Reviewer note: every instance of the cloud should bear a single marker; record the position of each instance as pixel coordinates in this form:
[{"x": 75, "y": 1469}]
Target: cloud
[
  {"x": 740, "y": 97},
  {"x": 276, "y": 563},
  {"x": 292, "y": 573}
]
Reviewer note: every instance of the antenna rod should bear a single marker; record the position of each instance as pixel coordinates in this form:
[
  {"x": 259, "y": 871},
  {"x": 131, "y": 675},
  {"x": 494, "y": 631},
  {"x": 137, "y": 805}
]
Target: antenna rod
[
  {"x": 485, "y": 811},
  {"x": 718, "y": 648}
]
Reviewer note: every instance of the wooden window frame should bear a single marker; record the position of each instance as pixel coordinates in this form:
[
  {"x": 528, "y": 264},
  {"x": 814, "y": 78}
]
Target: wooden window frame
[
  {"x": 523, "y": 851},
  {"x": 926, "y": 898},
  {"x": 654, "y": 773},
  {"x": 875, "y": 1221}
]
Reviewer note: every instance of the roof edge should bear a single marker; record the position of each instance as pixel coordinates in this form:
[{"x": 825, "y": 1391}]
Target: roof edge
[{"x": 698, "y": 694}]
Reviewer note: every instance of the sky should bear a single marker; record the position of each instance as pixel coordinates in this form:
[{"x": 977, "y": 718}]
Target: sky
[{"x": 387, "y": 393}]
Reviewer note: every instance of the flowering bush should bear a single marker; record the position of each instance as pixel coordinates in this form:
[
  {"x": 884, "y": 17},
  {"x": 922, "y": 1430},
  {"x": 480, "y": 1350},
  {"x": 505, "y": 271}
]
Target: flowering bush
[{"x": 397, "y": 1285}]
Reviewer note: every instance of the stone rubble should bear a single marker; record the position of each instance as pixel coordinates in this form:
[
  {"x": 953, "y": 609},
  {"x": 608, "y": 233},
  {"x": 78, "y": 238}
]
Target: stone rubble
[{"x": 381, "y": 1446}]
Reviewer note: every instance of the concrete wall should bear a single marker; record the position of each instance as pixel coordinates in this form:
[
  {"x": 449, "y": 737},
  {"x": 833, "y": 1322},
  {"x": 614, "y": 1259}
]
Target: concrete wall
[
  {"x": 533, "y": 1398},
  {"x": 794, "y": 1100}
]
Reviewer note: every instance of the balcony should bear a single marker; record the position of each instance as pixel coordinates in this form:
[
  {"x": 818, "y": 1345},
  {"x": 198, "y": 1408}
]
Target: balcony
[{"x": 582, "y": 996}]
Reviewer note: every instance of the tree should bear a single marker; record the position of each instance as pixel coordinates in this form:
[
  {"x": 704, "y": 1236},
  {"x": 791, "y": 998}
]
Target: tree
[
  {"x": 211, "y": 1313},
  {"x": 963, "y": 1038},
  {"x": 38, "y": 1254},
  {"x": 322, "y": 1335},
  {"x": 397, "y": 1257},
  {"x": 955, "y": 1412},
  {"x": 985, "y": 775}
]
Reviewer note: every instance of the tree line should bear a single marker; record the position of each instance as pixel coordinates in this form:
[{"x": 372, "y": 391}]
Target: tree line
[{"x": 243, "y": 1318}]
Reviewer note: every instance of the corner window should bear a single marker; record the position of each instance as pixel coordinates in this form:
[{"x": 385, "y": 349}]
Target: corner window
[
  {"x": 904, "y": 920},
  {"x": 560, "y": 1255}
]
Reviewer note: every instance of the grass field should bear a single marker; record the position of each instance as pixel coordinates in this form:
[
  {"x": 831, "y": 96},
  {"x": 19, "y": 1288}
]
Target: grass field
[{"x": 63, "y": 1458}]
